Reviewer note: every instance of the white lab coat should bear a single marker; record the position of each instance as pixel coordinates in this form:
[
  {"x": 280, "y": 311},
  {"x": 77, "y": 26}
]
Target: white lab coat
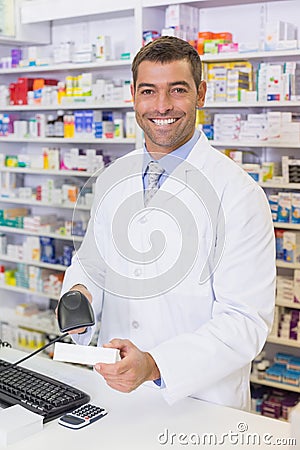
[{"x": 205, "y": 323}]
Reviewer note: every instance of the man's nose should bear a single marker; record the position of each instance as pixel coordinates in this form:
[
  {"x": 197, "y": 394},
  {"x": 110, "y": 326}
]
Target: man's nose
[{"x": 164, "y": 103}]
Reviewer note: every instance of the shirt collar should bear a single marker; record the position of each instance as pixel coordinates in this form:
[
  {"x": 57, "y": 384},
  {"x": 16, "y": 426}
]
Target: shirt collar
[{"x": 170, "y": 161}]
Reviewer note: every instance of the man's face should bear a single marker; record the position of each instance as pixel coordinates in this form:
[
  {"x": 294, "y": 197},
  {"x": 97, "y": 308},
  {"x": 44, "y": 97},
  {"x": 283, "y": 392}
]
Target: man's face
[{"x": 165, "y": 101}]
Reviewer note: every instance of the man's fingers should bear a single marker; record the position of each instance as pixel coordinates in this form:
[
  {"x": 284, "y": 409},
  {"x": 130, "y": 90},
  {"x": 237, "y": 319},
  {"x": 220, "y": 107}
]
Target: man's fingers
[
  {"x": 113, "y": 370},
  {"x": 118, "y": 344}
]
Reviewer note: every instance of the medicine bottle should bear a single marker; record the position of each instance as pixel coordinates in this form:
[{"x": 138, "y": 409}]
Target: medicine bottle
[
  {"x": 50, "y": 126},
  {"x": 59, "y": 124}
]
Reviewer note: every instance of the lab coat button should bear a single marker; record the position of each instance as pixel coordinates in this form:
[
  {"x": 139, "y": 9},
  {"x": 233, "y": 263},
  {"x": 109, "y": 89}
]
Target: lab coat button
[
  {"x": 135, "y": 324},
  {"x": 137, "y": 272}
]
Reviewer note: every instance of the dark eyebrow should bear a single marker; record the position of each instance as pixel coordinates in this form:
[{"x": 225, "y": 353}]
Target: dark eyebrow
[{"x": 174, "y": 83}]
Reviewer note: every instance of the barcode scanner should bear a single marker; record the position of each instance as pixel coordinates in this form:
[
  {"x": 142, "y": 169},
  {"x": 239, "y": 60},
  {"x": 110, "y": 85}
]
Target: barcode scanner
[{"x": 74, "y": 311}]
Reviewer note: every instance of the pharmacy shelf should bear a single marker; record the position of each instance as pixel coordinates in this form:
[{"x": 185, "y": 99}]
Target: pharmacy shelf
[
  {"x": 271, "y": 104},
  {"x": 63, "y": 173},
  {"x": 287, "y": 265},
  {"x": 23, "y": 231},
  {"x": 201, "y": 3},
  {"x": 286, "y": 342},
  {"x": 270, "y": 184},
  {"x": 20, "y": 290},
  {"x": 34, "y": 322},
  {"x": 236, "y": 56},
  {"x": 291, "y": 305},
  {"x": 284, "y": 386},
  {"x": 26, "y": 201},
  {"x": 114, "y": 64},
  {"x": 80, "y": 104},
  {"x": 43, "y": 265},
  {"x": 287, "y": 226},
  {"x": 82, "y": 140},
  {"x": 259, "y": 144}
]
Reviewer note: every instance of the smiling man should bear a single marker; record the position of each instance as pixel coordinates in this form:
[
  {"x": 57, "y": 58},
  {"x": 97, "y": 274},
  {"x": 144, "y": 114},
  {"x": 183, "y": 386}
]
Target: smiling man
[{"x": 179, "y": 259}]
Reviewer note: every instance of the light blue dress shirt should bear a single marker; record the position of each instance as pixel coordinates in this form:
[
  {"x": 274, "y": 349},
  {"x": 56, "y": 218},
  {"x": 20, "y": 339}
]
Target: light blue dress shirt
[{"x": 170, "y": 161}]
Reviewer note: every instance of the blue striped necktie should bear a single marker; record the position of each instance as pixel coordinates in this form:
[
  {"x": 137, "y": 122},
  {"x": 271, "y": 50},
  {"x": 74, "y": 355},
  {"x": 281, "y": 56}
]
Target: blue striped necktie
[{"x": 154, "y": 172}]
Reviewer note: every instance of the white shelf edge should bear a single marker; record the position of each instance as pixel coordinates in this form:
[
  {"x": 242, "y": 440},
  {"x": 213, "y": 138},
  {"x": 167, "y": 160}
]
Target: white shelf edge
[
  {"x": 71, "y": 106},
  {"x": 276, "y": 104},
  {"x": 259, "y": 144},
  {"x": 65, "y": 173},
  {"x": 236, "y": 56},
  {"x": 286, "y": 342},
  {"x": 287, "y": 226},
  {"x": 287, "y": 304},
  {"x": 280, "y": 185},
  {"x": 68, "y": 67},
  {"x": 31, "y": 233},
  {"x": 70, "y": 140},
  {"x": 41, "y": 264},
  {"x": 10, "y": 316},
  {"x": 199, "y": 3},
  {"x": 283, "y": 386},
  {"x": 287, "y": 265},
  {"x": 26, "y": 201},
  {"x": 34, "y": 11},
  {"x": 27, "y": 291}
]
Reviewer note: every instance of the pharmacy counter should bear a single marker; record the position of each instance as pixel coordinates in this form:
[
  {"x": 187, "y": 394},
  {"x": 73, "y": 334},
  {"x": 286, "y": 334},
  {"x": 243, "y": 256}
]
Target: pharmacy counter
[{"x": 142, "y": 420}]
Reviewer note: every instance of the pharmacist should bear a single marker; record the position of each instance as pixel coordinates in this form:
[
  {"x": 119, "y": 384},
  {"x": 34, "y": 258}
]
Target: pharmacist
[{"x": 178, "y": 258}]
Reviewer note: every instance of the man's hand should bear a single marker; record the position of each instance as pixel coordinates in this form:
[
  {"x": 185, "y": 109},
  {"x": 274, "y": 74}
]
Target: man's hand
[
  {"x": 86, "y": 292},
  {"x": 134, "y": 368}
]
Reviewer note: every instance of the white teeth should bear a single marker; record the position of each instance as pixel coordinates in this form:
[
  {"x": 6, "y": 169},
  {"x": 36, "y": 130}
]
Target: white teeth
[{"x": 163, "y": 121}]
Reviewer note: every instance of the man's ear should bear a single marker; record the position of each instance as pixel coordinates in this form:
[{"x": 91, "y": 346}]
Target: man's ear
[
  {"x": 201, "y": 94},
  {"x": 132, "y": 92}
]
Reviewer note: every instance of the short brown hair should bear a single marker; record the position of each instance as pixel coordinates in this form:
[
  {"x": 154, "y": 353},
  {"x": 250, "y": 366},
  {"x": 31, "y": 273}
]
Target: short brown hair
[{"x": 168, "y": 49}]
